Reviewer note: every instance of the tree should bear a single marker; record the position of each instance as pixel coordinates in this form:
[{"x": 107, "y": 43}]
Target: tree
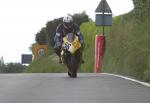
[
  {"x": 51, "y": 29},
  {"x": 14, "y": 68},
  {"x": 141, "y": 7},
  {"x": 81, "y": 18},
  {"x": 2, "y": 65},
  {"x": 42, "y": 36}
]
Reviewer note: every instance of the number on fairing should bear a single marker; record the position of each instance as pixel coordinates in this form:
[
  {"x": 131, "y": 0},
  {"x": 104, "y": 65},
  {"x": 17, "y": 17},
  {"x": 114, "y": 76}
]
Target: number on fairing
[{"x": 67, "y": 45}]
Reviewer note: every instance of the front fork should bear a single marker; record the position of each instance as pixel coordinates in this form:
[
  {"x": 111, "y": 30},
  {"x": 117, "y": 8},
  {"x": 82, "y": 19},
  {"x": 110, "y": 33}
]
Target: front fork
[{"x": 65, "y": 55}]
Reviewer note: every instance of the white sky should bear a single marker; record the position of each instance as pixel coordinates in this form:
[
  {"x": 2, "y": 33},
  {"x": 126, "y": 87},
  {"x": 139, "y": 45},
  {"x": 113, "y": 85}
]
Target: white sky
[{"x": 20, "y": 20}]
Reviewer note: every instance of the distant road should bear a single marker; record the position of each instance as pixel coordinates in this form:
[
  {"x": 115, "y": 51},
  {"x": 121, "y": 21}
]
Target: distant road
[{"x": 59, "y": 88}]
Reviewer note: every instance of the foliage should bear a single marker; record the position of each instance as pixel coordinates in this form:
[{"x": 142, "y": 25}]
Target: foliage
[
  {"x": 89, "y": 31},
  {"x": 128, "y": 47},
  {"x": 41, "y": 37},
  {"x": 2, "y": 65},
  {"x": 51, "y": 29},
  {"x": 47, "y": 64},
  {"x": 12, "y": 68},
  {"x": 80, "y": 18},
  {"x": 141, "y": 9}
]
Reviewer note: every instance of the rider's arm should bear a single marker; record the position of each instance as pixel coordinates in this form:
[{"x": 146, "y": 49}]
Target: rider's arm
[
  {"x": 57, "y": 38},
  {"x": 79, "y": 33}
]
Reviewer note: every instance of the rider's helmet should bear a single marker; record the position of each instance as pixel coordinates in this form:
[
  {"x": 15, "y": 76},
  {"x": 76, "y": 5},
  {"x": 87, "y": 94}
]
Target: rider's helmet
[{"x": 68, "y": 22}]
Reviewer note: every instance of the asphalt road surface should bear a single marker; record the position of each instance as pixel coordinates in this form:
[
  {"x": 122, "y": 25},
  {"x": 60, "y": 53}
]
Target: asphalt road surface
[{"x": 59, "y": 88}]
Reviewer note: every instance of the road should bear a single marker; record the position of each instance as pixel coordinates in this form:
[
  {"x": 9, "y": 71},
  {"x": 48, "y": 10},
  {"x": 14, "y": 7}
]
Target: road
[{"x": 59, "y": 88}]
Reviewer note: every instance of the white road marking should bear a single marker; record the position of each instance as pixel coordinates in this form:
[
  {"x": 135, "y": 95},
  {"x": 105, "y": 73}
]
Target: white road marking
[{"x": 130, "y": 79}]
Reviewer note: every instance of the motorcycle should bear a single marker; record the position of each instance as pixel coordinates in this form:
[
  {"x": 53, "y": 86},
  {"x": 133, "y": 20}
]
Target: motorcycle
[{"x": 70, "y": 53}]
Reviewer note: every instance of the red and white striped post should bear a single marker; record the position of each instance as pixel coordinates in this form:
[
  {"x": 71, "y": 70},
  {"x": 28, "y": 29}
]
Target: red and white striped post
[{"x": 99, "y": 52}]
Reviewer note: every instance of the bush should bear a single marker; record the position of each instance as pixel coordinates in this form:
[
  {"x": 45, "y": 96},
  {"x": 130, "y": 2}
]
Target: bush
[{"x": 12, "y": 68}]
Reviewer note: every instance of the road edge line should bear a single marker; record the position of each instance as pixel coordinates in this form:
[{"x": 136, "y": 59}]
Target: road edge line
[{"x": 130, "y": 79}]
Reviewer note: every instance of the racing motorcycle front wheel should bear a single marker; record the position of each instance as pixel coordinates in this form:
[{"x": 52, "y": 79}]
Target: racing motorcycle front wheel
[{"x": 72, "y": 64}]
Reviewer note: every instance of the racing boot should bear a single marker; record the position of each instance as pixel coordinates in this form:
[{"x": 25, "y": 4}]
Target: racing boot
[
  {"x": 82, "y": 61},
  {"x": 60, "y": 61},
  {"x": 81, "y": 53}
]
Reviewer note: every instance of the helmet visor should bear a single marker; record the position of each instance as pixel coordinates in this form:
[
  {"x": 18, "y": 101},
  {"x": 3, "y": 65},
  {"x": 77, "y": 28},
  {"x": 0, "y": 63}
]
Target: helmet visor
[{"x": 68, "y": 24}]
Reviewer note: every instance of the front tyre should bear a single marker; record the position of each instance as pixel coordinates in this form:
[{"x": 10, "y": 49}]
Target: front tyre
[
  {"x": 72, "y": 66},
  {"x": 69, "y": 74},
  {"x": 74, "y": 75}
]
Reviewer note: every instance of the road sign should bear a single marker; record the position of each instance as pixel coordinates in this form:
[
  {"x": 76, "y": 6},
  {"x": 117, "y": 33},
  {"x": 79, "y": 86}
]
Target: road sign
[
  {"x": 103, "y": 14},
  {"x": 103, "y": 20},
  {"x": 26, "y": 58},
  {"x": 103, "y": 7},
  {"x": 39, "y": 50}
]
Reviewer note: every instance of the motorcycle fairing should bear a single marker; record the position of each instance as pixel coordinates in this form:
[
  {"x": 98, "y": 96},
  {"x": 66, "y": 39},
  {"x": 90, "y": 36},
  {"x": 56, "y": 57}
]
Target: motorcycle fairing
[{"x": 73, "y": 46}]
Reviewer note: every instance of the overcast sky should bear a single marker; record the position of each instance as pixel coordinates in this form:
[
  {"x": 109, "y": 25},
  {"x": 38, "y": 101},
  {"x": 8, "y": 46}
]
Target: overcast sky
[{"x": 20, "y": 20}]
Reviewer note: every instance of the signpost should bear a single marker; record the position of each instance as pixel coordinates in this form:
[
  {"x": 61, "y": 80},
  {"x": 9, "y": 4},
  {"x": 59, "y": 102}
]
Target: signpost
[
  {"x": 103, "y": 15},
  {"x": 26, "y": 58},
  {"x": 39, "y": 51},
  {"x": 103, "y": 18}
]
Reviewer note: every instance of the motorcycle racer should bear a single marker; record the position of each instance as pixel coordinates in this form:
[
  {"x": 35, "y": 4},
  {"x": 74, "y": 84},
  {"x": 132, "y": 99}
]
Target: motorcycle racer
[{"x": 68, "y": 26}]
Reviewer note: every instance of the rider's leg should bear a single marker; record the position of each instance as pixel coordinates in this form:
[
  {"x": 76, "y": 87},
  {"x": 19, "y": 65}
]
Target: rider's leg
[
  {"x": 80, "y": 54},
  {"x": 82, "y": 60}
]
